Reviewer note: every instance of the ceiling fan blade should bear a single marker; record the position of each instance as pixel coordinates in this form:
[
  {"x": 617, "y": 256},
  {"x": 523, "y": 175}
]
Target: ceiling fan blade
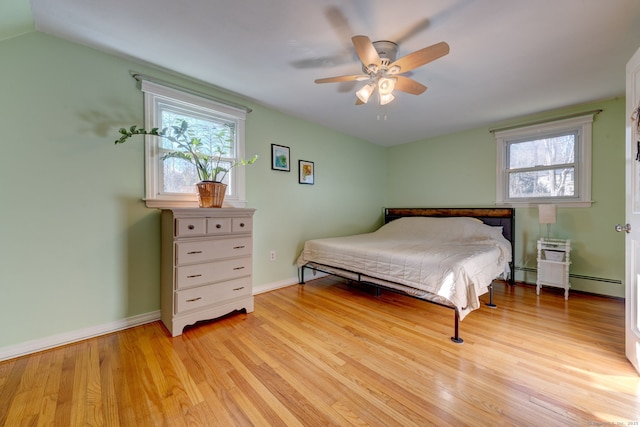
[
  {"x": 339, "y": 23},
  {"x": 357, "y": 77},
  {"x": 324, "y": 61},
  {"x": 365, "y": 50},
  {"x": 416, "y": 28},
  {"x": 420, "y": 57},
  {"x": 405, "y": 84}
]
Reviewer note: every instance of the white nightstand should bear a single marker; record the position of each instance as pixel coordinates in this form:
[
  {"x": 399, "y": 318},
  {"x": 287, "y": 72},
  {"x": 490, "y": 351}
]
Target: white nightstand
[{"x": 553, "y": 264}]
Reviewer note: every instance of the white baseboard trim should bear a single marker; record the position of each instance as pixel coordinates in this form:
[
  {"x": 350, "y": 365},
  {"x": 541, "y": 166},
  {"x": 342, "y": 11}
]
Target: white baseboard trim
[
  {"x": 46, "y": 343},
  {"x": 268, "y": 287},
  {"x": 58, "y": 340}
]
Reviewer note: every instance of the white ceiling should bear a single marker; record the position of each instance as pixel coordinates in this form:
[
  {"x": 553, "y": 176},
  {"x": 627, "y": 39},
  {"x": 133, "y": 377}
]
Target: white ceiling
[{"x": 508, "y": 57}]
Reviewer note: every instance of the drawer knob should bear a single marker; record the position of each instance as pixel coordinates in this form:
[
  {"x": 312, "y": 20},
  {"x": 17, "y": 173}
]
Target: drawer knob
[
  {"x": 239, "y": 268},
  {"x": 194, "y": 299},
  {"x": 242, "y": 224},
  {"x": 194, "y": 252},
  {"x": 218, "y": 225},
  {"x": 191, "y": 227},
  {"x": 193, "y": 276},
  {"x": 238, "y": 289},
  {"x": 238, "y": 247}
]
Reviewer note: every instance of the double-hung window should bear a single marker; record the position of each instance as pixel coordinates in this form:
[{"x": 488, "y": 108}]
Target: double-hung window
[
  {"x": 170, "y": 182},
  {"x": 545, "y": 163}
]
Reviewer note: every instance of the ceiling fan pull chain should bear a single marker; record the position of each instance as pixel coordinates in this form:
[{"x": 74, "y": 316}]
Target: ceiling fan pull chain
[{"x": 382, "y": 112}]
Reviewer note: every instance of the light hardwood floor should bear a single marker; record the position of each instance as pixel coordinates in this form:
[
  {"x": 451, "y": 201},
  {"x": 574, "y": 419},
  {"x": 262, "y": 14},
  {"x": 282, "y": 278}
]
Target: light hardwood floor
[{"x": 330, "y": 354}]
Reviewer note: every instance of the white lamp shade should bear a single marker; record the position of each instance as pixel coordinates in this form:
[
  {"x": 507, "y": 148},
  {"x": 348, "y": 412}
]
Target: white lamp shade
[
  {"x": 365, "y": 92},
  {"x": 547, "y": 214},
  {"x": 386, "y": 85},
  {"x": 385, "y": 99}
]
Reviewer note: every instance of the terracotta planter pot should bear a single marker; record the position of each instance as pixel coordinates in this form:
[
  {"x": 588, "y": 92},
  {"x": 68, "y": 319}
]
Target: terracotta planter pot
[{"x": 211, "y": 194}]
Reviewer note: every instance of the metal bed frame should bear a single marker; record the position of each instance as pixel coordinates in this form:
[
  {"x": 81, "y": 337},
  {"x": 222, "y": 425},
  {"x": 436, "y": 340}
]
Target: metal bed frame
[{"x": 503, "y": 217}]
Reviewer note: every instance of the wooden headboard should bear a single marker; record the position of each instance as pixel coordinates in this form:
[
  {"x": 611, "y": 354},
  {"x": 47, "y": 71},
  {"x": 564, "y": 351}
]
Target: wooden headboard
[{"x": 504, "y": 217}]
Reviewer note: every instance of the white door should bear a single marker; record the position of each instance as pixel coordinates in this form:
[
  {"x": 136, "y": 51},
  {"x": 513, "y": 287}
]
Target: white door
[{"x": 632, "y": 227}]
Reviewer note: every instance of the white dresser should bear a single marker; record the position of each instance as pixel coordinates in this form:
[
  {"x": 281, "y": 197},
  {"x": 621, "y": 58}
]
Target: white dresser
[{"x": 206, "y": 264}]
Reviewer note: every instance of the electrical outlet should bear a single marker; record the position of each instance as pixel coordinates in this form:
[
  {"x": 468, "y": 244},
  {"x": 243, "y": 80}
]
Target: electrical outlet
[{"x": 272, "y": 256}]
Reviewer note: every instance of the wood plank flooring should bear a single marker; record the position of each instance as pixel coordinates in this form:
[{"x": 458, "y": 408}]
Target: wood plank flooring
[{"x": 331, "y": 354}]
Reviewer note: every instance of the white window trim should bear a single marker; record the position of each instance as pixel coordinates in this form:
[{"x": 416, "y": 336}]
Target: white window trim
[
  {"x": 583, "y": 161},
  {"x": 153, "y": 198}
]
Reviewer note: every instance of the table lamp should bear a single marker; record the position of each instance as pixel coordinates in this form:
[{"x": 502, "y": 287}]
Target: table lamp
[{"x": 547, "y": 215}]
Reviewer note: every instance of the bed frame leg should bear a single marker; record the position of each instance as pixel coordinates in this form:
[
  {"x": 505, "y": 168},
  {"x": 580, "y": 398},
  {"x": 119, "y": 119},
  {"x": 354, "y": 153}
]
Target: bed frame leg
[
  {"x": 456, "y": 338},
  {"x": 301, "y": 275},
  {"x": 490, "y": 304},
  {"x": 512, "y": 276}
]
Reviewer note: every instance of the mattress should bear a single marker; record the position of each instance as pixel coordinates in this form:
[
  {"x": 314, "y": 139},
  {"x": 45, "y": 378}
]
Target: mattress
[{"x": 453, "y": 259}]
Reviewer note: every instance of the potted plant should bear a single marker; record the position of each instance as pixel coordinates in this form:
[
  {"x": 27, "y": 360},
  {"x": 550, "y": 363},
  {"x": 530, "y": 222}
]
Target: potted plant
[{"x": 207, "y": 157}]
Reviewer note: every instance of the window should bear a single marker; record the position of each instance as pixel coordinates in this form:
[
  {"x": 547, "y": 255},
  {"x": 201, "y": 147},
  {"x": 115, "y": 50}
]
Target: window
[
  {"x": 171, "y": 182},
  {"x": 545, "y": 163}
]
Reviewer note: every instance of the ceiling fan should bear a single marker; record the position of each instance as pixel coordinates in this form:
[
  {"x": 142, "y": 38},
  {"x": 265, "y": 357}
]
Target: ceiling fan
[{"x": 384, "y": 72}]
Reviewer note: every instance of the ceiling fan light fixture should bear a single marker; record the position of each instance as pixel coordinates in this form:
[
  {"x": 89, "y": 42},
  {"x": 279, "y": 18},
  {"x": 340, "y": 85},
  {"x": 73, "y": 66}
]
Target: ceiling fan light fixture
[
  {"x": 386, "y": 85},
  {"x": 365, "y": 92},
  {"x": 386, "y": 98},
  {"x": 382, "y": 70}
]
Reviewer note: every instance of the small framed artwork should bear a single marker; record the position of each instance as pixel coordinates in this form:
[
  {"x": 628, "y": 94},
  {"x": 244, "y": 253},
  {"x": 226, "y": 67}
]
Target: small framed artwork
[
  {"x": 306, "y": 171},
  {"x": 280, "y": 158}
]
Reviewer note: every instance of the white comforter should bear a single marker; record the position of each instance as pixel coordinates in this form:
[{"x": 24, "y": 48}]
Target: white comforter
[{"x": 454, "y": 258}]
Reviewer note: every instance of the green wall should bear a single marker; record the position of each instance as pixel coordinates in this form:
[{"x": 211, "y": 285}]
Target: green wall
[
  {"x": 460, "y": 170},
  {"x": 79, "y": 248},
  {"x": 346, "y": 198}
]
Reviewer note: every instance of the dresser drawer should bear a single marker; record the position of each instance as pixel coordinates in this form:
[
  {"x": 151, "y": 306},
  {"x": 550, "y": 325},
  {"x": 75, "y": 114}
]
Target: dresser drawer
[
  {"x": 241, "y": 225},
  {"x": 218, "y": 226},
  {"x": 186, "y": 227},
  {"x": 218, "y": 271},
  {"x": 217, "y": 293},
  {"x": 210, "y": 250}
]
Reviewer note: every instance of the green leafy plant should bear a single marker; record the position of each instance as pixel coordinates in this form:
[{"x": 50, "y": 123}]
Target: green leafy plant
[{"x": 206, "y": 157}]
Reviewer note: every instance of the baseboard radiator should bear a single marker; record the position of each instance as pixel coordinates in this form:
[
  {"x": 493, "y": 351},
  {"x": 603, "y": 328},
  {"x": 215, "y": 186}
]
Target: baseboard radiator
[{"x": 575, "y": 276}]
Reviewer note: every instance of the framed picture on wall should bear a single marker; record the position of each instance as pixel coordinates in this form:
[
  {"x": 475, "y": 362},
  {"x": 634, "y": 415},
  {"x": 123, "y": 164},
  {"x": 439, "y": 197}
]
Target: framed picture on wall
[
  {"x": 306, "y": 172},
  {"x": 280, "y": 158}
]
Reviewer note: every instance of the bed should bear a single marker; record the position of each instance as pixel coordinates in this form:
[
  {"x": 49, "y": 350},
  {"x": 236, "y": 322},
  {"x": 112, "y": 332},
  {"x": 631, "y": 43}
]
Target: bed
[{"x": 445, "y": 256}]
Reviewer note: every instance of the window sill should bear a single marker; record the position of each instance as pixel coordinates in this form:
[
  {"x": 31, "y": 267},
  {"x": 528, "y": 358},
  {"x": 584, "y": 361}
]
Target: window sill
[
  {"x": 170, "y": 204},
  {"x": 532, "y": 204}
]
